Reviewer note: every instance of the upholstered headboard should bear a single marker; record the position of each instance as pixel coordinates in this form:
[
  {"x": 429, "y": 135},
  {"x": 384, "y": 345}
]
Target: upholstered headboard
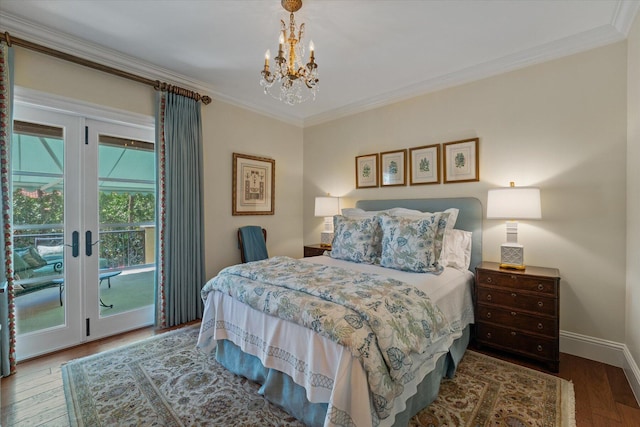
[{"x": 469, "y": 217}]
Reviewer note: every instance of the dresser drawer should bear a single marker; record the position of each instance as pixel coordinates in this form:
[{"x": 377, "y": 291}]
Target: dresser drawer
[
  {"x": 518, "y": 342},
  {"x": 518, "y": 281},
  {"x": 537, "y": 304},
  {"x": 518, "y": 320}
]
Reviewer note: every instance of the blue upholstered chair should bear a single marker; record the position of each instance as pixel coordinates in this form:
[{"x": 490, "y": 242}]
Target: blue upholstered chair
[{"x": 252, "y": 241}]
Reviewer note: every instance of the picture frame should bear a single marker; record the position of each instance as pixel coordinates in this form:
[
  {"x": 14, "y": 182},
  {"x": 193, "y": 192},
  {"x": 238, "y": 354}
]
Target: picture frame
[
  {"x": 253, "y": 191},
  {"x": 393, "y": 168},
  {"x": 424, "y": 165},
  {"x": 461, "y": 161},
  {"x": 367, "y": 171}
]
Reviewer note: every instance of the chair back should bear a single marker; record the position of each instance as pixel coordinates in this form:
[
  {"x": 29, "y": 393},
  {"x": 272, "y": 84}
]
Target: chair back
[{"x": 252, "y": 241}]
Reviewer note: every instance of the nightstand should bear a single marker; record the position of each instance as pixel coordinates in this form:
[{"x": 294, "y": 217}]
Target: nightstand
[
  {"x": 519, "y": 311},
  {"x": 315, "y": 250}
]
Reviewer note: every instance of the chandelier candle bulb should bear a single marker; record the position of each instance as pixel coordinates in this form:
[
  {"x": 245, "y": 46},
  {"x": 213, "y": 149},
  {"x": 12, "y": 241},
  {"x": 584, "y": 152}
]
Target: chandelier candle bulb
[{"x": 267, "y": 55}]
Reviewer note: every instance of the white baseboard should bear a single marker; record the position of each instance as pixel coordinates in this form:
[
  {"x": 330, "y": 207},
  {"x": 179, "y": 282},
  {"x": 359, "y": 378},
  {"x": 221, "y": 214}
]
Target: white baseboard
[
  {"x": 604, "y": 351},
  {"x": 632, "y": 371}
]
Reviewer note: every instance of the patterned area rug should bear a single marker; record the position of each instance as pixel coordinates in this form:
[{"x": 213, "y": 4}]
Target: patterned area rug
[{"x": 165, "y": 381}]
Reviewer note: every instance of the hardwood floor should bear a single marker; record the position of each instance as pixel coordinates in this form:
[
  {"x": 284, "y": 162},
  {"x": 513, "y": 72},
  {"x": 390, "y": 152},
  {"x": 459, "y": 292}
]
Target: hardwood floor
[{"x": 34, "y": 395}]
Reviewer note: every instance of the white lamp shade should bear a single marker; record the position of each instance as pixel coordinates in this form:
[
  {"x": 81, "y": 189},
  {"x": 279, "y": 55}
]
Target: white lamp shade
[
  {"x": 514, "y": 203},
  {"x": 327, "y": 206}
]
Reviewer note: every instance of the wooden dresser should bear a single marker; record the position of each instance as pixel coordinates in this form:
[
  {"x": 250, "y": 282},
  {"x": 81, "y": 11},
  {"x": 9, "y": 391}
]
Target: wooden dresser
[{"x": 519, "y": 311}]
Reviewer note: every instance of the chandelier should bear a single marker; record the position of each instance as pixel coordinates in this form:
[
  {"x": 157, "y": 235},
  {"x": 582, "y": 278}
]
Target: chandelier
[{"x": 291, "y": 82}]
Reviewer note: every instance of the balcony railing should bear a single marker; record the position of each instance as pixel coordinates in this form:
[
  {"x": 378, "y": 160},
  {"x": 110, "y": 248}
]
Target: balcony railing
[{"x": 122, "y": 246}]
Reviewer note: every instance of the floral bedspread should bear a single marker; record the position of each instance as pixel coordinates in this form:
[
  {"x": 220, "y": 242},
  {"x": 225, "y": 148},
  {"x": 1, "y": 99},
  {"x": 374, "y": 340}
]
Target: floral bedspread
[{"x": 385, "y": 323}]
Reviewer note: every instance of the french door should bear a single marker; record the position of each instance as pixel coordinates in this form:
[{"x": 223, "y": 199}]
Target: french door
[{"x": 84, "y": 228}]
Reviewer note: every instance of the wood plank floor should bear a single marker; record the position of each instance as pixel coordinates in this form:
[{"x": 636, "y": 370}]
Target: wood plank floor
[{"x": 34, "y": 395}]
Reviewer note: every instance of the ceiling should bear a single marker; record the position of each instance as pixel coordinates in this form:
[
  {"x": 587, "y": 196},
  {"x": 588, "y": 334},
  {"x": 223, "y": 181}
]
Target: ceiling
[{"x": 369, "y": 52}]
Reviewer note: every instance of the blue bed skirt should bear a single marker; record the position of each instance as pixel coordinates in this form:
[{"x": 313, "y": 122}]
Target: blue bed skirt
[{"x": 281, "y": 390}]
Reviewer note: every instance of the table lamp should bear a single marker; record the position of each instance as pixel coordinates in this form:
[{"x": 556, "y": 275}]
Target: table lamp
[
  {"x": 327, "y": 207},
  {"x": 513, "y": 203}
]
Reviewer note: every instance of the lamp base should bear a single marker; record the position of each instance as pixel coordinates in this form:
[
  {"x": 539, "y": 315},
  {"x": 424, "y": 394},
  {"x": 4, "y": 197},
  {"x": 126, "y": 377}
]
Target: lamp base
[
  {"x": 512, "y": 256},
  {"x": 326, "y": 238}
]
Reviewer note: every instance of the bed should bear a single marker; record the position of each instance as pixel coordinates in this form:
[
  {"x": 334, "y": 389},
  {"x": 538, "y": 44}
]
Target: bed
[{"x": 334, "y": 375}]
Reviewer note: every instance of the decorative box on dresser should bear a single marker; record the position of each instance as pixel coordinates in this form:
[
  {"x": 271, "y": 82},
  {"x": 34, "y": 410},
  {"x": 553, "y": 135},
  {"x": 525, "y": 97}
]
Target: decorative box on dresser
[
  {"x": 315, "y": 250},
  {"x": 518, "y": 311}
]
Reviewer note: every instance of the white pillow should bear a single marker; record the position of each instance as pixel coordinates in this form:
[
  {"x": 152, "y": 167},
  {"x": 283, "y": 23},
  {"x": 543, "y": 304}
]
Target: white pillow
[
  {"x": 456, "y": 249},
  {"x": 50, "y": 250}
]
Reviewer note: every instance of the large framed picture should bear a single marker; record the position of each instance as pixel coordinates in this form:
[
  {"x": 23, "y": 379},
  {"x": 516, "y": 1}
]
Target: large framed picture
[
  {"x": 253, "y": 185},
  {"x": 461, "y": 162},
  {"x": 424, "y": 165},
  {"x": 367, "y": 171},
  {"x": 393, "y": 167}
]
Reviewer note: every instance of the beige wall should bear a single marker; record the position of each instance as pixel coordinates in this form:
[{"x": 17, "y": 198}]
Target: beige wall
[
  {"x": 560, "y": 125},
  {"x": 226, "y": 129},
  {"x": 633, "y": 195}
]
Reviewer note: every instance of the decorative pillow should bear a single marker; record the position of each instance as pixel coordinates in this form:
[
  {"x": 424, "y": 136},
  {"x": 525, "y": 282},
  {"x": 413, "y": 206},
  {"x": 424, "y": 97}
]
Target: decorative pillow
[
  {"x": 19, "y": 264},
  {"x": 359, "y": 213},
  {"x": 356, "y": 239},
  {"x": 456, "y": 249},
  {"x": 31, "y": 256},
  {"x": 412, "y": 213},
  {"x": 409, "y": 244}
]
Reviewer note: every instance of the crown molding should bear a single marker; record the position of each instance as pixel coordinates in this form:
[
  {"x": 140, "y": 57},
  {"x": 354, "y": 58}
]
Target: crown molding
[
  {"x": 621, "y": 23},
  {"x": 588, "y": 40},
  {"x": 27, "y": 30},
  {"x": 625, "y": 15}
]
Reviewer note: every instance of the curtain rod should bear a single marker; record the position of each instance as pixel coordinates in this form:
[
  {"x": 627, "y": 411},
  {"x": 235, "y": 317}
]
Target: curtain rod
[{"x": 156, "y": 84}]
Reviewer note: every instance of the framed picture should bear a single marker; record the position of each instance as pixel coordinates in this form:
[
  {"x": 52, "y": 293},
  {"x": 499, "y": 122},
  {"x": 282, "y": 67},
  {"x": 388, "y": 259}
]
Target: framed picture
[
  {"x": 367, "y": 171},
  {"x": 424, "y": 165},
  {"x": 461, "y": 161},
  {"x": 393, "y": 166},
  {"x": 253, "y": 185}
]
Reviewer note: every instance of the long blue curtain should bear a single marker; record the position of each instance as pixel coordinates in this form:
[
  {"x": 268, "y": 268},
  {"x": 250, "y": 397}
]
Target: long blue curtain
[
  {"x": 7, "y": 318},
  {"x": 180, "y": 242}
]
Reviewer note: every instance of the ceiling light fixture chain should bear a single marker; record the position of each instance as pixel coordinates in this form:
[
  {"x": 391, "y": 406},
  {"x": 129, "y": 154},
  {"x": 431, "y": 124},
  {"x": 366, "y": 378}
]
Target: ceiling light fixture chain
[{"x": 291, "y": 82}]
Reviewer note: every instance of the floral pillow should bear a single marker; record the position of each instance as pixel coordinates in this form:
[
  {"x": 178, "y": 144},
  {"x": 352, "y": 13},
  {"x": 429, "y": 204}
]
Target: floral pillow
[
  {"x": 356, "y": 239},
  {"x": 413, "y": 244}
]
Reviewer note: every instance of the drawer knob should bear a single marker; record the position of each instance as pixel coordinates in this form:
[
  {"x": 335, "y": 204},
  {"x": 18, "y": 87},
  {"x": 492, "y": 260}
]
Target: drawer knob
[
  {"x": 489, "y": 335},
  {"x": 540, "y": 303},
  {"x": 489, "y": 280},
  {"x": 513, "y": 313},
  {"x": 540, "y": 286},
  {"x": 514, "y": 277},
  {"x": 540, "y": 326},
  {"x": 539, "y": 347},
  {"x": 489, "y": 315},
  {"x": 513, "y": 294},
  {"x": 489, "y": 297},
  {"x": 513, "y": 334}
]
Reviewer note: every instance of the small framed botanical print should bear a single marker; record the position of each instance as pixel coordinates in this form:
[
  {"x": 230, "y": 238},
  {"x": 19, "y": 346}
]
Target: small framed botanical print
[
  {"x": 424, "y": 165},
  {"x": 253, "y": 191},
  {"x": 393, "y": 166},
  {"x": 367, "y": 171},
  {"x": 461, "y": 163}
]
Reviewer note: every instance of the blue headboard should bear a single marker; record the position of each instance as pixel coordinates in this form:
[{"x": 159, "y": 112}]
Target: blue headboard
[{"x": 469, "y": 217}]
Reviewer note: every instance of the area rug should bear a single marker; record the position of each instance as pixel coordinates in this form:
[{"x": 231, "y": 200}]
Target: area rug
[{"x": 165, "y": 381}]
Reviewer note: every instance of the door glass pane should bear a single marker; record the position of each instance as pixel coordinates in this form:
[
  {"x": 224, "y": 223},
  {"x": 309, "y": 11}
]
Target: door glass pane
[
  {"x": 127, "y": 185},
  {"x": 37, "y": 167}
]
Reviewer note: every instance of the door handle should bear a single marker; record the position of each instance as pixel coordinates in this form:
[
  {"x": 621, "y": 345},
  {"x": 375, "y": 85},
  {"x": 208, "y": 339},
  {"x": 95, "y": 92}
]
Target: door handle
[
  {"x": 75, "y": 244},
  {"x": 88, "y": 249}
]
